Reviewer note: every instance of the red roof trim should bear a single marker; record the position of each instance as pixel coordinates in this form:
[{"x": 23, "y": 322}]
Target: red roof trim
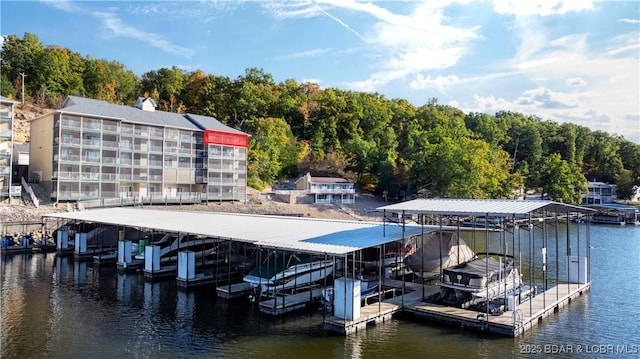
[{"x": 213, "y": 137}]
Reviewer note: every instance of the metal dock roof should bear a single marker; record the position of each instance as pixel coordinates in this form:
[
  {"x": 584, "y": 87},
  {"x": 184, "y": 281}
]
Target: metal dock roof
[
  {"x": 298, "y": 234},
  {"x": 471, "y": 207}
]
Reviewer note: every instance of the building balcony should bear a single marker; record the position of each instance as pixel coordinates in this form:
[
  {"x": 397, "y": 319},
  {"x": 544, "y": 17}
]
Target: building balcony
[
  {"x": 91, "y": 159},
  {"x": 332, "y": 191},
  {"x": 90, "y": 143},
  {"x": 69, "y": 123},
  {"x": 67, "y": 158},
  {"x": 109, "y": 160},
  {"x": 74, "y": 141},
  {"x": 110, "y": 144},
  {"x": 110, "y": 128},
  {"x": 90, "y": 176}
]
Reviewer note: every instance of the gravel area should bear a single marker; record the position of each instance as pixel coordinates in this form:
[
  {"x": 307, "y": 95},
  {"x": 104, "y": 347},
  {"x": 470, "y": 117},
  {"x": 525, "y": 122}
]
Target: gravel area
[{"x": 363, "y": 209}]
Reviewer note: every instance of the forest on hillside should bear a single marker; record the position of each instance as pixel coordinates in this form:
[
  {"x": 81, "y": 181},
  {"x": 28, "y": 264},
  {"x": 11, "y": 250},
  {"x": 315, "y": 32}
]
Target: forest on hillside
[{"x": 388, "y": 146}]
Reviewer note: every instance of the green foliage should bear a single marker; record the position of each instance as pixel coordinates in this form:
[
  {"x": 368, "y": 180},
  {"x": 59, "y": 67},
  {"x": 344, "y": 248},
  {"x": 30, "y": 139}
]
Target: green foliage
[
  {"x": 561, "y": 181},
  {"x": 626, "y": 184},
  {"x": 387, "y": 146}
]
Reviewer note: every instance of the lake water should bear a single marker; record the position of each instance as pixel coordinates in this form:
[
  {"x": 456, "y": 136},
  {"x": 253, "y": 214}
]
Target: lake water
[{"x": 52, "y": 307}]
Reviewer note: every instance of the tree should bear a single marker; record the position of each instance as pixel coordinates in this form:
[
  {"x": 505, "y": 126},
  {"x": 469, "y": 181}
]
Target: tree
[
  {"x": 561, "y": 181},
  {"x": 169, "y": 83},
  {"x": 626, "y": 185},
  {"x": 485, "y": 127},
  {"x": 603, "y": 161},
  {"x": 254, "y": 95},
  {"x": 21, "y": 56},
  {"x": 273, "y": 151}
]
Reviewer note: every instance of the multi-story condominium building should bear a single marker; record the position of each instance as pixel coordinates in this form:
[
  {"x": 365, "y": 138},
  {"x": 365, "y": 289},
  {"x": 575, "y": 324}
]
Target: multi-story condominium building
[
  {"x": 91, "y": 149},
  {"x": 6, "y": 149}
]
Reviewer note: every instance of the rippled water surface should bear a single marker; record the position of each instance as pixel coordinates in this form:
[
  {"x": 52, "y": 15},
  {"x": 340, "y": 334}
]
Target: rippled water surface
[{"x": 52, "y": 307}]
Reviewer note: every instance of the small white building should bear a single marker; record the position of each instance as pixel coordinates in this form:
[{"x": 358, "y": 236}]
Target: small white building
[
  {"x": 327, "y": 189},
  {"x": 635, "y": 197}
]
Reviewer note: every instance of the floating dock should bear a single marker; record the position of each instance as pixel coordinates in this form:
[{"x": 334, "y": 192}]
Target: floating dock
[
  {"x": 286, "y": 303},
  {"x": 369, "y": 314},
  {"x": 222, "y": 279},
  {"x": 236, "y": 290},
  {"x": 132, "y": 267},
  {"x": 510, "y": 323},
  {"x": 17, "y": 249},
  {"x": 105, "y": 259}
]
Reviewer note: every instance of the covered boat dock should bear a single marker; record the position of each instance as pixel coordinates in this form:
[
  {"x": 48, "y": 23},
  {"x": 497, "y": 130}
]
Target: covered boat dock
[
  {"x": 551, "y": 252},
  {"x": 553, "y": 262}
]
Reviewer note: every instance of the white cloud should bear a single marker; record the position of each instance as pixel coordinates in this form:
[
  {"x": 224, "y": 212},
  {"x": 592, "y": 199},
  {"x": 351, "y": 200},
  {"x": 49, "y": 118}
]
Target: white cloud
[
  {"x": 424, "y": 39},
  {"x": 440, "y": 82},
  {"x": 540, "y": 7},
  {"x": 113, "y": 23},
  {"x": 575, "y": 81},
  {"x": 445, "y": 82},
  {"x": 201, "y": 11},
  {"x": 289, "y": 10},
  {"x": 302, "y": 54},
  {"x": 119, "y": 28},
  {"x": 630, "y": 21},
  {"x": 623, "y": 43},
  {"x": 63, "y": 5},
  {"x": 311, "y": 81},
  {"x": 546, "y": 98}
]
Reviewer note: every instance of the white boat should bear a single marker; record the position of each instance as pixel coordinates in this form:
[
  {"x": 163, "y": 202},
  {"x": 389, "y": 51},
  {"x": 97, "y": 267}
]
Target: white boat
[
  {"x": 294, "y": 271},
  {"x": 478, "y": 281}
]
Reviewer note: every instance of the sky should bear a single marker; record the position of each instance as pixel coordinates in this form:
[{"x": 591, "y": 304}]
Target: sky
[{"x": 572, "y": 61}]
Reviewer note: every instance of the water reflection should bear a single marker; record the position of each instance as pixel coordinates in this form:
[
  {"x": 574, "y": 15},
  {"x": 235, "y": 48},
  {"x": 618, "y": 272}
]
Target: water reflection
[{"x": 54, "y": 307}]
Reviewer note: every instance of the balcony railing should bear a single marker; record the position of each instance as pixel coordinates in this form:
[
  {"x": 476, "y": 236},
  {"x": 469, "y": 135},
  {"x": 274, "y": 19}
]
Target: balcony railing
[
  {"x": 90, "y": 143},
  {"x": 91, "y": 159},
  {"x": 66, "y": 175},
  {"x": 130, "y": 199},
  {"x": 110, "y": 144},
  {"x": 65, "y": 122},
  {"x": 71, "y": 140},
  {"x": 109, "y": 128}
]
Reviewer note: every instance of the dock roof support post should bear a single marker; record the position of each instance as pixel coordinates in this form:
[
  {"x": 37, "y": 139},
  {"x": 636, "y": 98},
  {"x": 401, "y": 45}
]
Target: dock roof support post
[
  {"x": 402, "y": 253},
  {"x": 531, "y": 262}
]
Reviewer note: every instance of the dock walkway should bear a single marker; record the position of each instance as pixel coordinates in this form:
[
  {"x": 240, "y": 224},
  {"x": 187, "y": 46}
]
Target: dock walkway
[{"x": 511, "y": 323}]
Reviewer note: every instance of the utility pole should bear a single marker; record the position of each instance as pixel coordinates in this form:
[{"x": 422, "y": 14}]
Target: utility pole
[{"x": 23, "y": 75}]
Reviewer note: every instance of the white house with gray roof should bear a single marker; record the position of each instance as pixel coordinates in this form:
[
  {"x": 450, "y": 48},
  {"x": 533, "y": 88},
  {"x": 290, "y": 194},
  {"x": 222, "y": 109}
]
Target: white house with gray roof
[{"x": 91, "y": 149}]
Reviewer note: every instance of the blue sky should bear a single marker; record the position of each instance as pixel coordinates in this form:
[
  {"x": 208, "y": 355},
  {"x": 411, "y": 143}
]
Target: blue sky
[{"x": 566, "y": 61}]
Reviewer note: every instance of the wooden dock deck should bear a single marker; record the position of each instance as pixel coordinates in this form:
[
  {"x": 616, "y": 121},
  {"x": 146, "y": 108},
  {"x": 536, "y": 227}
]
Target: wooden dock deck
[
  {"x": 511, "y": 323},
  {"x": 285, "y": 303},
  {"x": 236, "y": 290},
  {"x": 220, "y": 279},
  {"x": 369, "y": 314}
]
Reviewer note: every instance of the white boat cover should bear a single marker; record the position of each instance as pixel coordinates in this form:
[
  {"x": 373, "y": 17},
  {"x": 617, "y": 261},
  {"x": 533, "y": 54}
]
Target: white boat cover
[{"x": 439, "y": 244}]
